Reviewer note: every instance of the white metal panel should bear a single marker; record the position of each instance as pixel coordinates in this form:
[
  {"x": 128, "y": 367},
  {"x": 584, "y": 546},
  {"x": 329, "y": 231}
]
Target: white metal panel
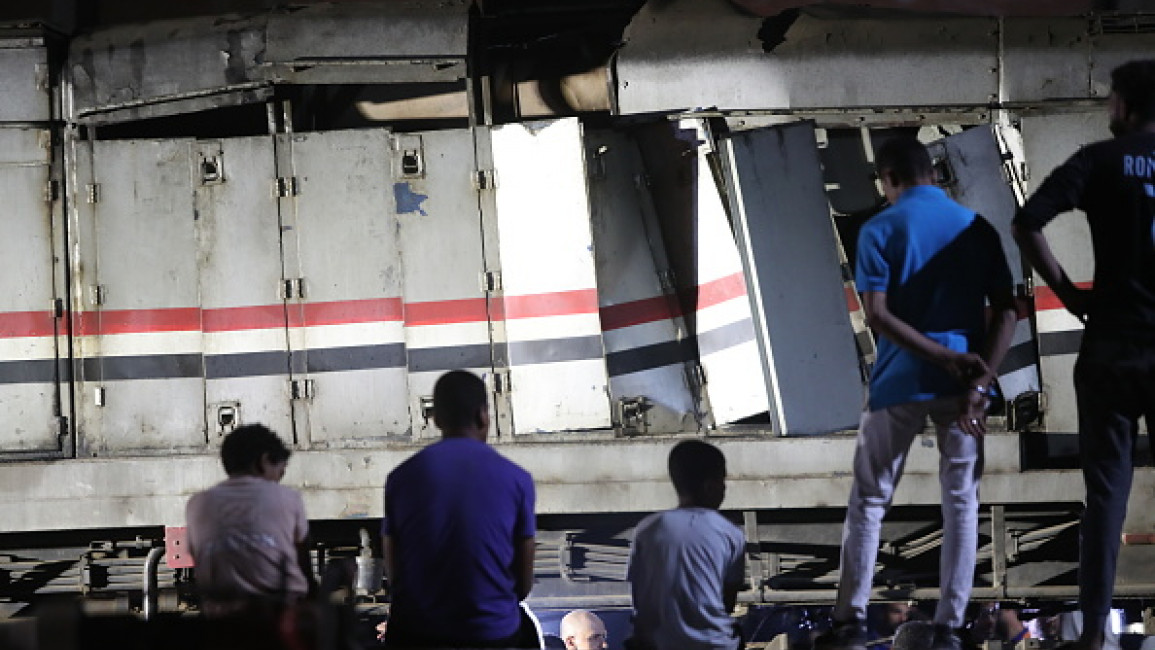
[
  {"x": 239, "y": 236},
  {"x": 1049, "y": 140},
  {"x": 789, "y": 253},
  {"x": 686, "y": 54},
  {"x": 707, "y": 269},
  {"x": 556, "y": 354},
  {"x": 644, "y": 334},
  {"x": 146, "y": 271},
  {"x": 347, "y": 333},
  {"x": 24, "y": 78},
  {"x": 446, "y": 316},
  {"x": 978, "y": 180},
  {"x": 29, "y": 381}
]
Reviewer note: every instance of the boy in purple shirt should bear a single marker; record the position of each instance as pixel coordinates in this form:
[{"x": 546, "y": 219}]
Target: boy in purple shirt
[{"x": 459, "y": 533}]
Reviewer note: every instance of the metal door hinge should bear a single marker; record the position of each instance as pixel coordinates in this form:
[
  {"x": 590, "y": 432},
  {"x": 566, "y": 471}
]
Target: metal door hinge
[
  {"x": 668, "y": 280},
  {"x": 293, "y": 288},
  {"x": 501, "y": 383},
  {"x": 97, "y": 294},
  {"x": 286, "y": 186},
  {"x": 52, "y": 191},
  {"x": 57, "y": 308},
  {"x": 484, "y": 179},
  {"x": 98, "y": 395},
  {"x": 491, "y": 281},
  {"x": 92, "y": 193},
  {"x": 300, "y": 389}
]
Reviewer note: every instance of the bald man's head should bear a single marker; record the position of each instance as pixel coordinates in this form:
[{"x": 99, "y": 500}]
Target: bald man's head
[{"x": 583, "y": 630}]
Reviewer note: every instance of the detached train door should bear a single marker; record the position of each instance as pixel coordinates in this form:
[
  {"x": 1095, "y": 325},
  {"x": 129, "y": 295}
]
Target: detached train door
[
  {"x": 790, "y": 258},
  {"x": 973, "y": 169}
]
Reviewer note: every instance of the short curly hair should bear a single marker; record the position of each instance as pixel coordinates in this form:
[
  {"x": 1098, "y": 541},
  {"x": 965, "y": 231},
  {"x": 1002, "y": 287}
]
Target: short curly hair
[
  {"x": 1134, "y": 83},
  {"x": 244, "y": 447}
]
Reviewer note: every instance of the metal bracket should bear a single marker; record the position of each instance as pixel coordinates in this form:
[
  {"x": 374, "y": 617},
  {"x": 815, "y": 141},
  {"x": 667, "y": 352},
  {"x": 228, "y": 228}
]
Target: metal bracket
[
  {"x": 631, "y": 414},
  {"x": 99, "y": 394},
  {"x": 501, "y": 383},
  {"x": 426, "y": 402},
  {"x": 97, "y": 294},
  {"x": 484, "y": 179},
  {"x": 286, "y": 186},
  {"x": 409, "y": 156},
  {"x": 293, "y": 288},
  {"x": 302, "y": 389},
  {"x": 212, "y": 169},
  {"x": 490, "y": 281},
  {"x": 92, "y": 193},
  {"x": 57, "y": 308},
  {"x": 52, "y": 191},
  {"x": 668, "y": 281}
]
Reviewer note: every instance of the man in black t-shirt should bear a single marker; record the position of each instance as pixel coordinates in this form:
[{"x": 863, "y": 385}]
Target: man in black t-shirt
[{"x": 1114, "y": 183}]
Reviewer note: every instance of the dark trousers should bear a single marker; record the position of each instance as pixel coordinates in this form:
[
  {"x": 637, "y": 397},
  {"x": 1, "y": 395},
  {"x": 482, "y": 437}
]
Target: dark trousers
[
  {"x": 1115, "y": 385},
  {"x": 399, "y": 636}
]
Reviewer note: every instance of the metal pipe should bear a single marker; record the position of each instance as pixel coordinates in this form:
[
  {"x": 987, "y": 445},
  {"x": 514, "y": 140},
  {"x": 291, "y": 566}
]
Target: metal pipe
[{"x": 151, "y": 563}]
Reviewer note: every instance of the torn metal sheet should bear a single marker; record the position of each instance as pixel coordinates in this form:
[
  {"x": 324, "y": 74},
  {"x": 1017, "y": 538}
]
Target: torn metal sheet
[{"x": 172, "y": 67}]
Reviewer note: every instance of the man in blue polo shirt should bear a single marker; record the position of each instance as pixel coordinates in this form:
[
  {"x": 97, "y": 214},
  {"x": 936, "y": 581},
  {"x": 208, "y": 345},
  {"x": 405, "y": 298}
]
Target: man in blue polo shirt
[
  {"x": 459, "y": 533},
  {"x": 927, "y": 267}
]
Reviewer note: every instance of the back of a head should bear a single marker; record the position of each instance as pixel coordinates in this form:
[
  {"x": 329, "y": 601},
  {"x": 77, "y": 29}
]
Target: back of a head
[
  {"x": 581, "y": 622},
  {"x": 242, "y": 448},
  {"x": 906, "y": 158},
  {"x": 458, "y": 397},
  {"x": 1134, "y": 83},
  {"x": 693, "y": 463},
  {"x": 914, "y": 635}
]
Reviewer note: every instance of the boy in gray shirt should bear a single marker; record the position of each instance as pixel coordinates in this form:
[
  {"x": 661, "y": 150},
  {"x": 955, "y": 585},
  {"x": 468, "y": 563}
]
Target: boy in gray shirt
[{"x": 688, "y": 564}]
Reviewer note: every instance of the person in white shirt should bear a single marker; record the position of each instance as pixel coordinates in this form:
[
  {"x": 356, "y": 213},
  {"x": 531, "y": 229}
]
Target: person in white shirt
[{"x": 687, "y": 565}]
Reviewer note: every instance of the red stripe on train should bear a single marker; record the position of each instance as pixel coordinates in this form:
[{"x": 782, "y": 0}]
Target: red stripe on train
[
  {"x": 1045, "y": 297},
  {"x": 657, "y": 308},
  {"x": 15, "y": 324}
]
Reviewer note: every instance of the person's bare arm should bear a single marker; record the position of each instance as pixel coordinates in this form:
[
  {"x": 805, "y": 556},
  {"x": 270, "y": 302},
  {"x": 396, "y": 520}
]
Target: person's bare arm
[
  {"x": 962, "y": 365},
  {"x": 304, "y": 560},
  {"x": 730, "y": 596},
  {"x": 523, "y": 552},
  {"x": 1035, "y": 248}
]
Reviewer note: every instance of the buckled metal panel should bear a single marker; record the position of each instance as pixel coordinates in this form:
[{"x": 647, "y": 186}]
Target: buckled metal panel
[
  {"x": 976, "y": 180},
  {"x": 398, "y": 41},
  {"x": 645, "y": 337},
  {"x": 345, "y": 314},
  {"x": 29, "y": 373},
  {"x": 707, "y": 270},
  {"x": 446, "y": 316},
  {"x": 166, "y": 68},
  {"x": 139, "y": 332},
  {"x": 1049, "y": 140},
  {"x": 556, "y": 354},
  {"x": 243, "y": 315},
  {"x": 789, "y": 254},
  {"x": 706, "y": 53},
  {"x": 24, "y": 78}
]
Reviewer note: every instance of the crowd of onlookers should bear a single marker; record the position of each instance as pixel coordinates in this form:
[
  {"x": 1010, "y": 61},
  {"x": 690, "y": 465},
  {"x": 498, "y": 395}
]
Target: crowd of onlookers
[{"x": 459, "y": 518}]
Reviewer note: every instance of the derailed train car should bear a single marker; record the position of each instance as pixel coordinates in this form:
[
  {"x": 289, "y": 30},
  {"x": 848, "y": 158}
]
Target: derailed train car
[{"x": 303, "y": 217}]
